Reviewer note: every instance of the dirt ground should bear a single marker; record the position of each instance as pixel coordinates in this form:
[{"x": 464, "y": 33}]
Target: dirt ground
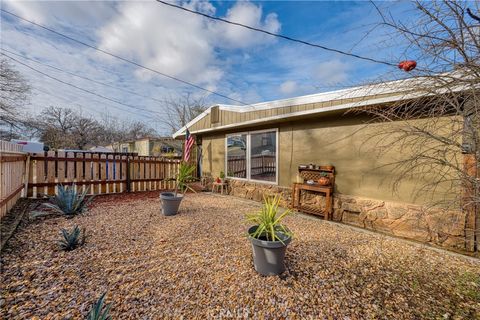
[{"x": 198, "y": 264}]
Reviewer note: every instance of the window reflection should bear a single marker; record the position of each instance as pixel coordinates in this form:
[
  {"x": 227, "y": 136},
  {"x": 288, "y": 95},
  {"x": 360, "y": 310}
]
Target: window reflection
[
  {"x": 237, "y": 156},
  {"x": 263, "y": 156}
]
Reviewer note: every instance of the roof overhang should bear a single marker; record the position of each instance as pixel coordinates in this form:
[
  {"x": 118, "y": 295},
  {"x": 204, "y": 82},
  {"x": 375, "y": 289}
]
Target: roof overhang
[
  {"x": 300, "y": 114},
  {"x": 400, "y": 90}
]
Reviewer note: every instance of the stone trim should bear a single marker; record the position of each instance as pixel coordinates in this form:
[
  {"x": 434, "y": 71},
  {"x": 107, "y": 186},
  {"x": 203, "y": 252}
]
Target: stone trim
[{"x": 436, "y": 226}]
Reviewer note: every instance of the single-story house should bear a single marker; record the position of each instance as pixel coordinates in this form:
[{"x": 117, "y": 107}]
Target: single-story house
[
  {"x": 261, "y": 146},
  {"x": 150, "y": 146}
]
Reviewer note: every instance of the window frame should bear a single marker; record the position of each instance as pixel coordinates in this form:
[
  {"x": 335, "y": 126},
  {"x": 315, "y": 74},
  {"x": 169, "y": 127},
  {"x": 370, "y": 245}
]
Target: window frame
[{"x": 248, "y": 155}]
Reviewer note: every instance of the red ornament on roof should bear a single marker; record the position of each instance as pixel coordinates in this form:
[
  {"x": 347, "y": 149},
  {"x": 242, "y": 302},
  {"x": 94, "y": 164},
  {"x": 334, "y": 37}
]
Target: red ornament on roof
[{"x": 407, "y": 65}]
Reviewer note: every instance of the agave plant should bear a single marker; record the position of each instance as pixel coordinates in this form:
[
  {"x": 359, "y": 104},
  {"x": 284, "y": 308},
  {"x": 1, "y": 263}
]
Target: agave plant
[
  {"x": 185, "y": 174},
  {"x": 67, "y": 202},
  {"x": 72, "y": 239},
  {"x": 269, "y": 220},
  {"x": 99, "y": 310}
]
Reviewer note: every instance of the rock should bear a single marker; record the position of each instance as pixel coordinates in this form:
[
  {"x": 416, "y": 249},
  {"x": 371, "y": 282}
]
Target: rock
[{"x": 437, "y": 226}]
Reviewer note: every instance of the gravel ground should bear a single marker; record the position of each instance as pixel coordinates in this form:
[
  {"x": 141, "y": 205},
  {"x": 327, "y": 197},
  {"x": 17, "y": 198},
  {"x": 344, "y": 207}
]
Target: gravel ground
[{"x": 198, "y": 264}]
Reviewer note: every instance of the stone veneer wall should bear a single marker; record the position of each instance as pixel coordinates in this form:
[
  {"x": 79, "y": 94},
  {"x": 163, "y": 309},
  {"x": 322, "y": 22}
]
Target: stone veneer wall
[{"x": 435, "y": 226}]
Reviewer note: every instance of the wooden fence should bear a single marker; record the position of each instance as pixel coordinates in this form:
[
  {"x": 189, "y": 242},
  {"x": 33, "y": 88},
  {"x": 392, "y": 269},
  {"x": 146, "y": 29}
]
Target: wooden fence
[
  {"x": 12, "y": 173},
  {"x": 99, "y": 173},
  {"x": 260, "y": 165}
]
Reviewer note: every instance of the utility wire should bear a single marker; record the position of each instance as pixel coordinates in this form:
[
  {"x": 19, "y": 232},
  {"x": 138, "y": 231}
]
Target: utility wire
[
  {"x": 80, "y": 88},
  {"x": 278, "y": 35},
  {"x": 121, "y": 58},
  {"x": 87, "y": 108},
  {"x": 82, "y": 77}
]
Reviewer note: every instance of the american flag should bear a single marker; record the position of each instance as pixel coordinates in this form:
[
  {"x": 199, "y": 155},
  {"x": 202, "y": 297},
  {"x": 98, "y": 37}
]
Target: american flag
[{"x": 189, "y": 141}]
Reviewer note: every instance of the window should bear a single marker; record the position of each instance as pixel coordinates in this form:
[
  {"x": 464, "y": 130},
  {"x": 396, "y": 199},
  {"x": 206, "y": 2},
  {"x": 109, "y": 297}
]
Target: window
[
  {"x": 237, "y": 156},
  {"x": 166, "y": 149},
  {"x": 252, "y": 156}
]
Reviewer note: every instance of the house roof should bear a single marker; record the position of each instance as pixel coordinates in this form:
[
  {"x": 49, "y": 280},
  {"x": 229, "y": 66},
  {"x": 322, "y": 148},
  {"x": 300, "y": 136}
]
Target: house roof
[
  {"x": 277, "y": 110},
  {"x": 154, "y": 139}
]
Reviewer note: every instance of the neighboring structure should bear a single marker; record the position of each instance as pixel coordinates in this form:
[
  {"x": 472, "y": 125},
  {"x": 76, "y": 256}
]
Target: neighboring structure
[
  {"x": 29, "y": 146},
  {"x": 100, "y": 149},
  {"x": 164, "y": 146},
  {"x": 260, "y": 147}
]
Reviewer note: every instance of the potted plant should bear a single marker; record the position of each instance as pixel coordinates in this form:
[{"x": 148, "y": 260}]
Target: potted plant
[
  {"x": 324, "y": 179},
  {"x": 171, "y": 200},
  {"x": 222, "y": 177},
  {"x": 269, "y": 237}
]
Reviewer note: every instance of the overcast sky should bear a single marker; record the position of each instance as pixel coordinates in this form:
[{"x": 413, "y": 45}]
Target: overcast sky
[{"x": 244, "y": 65}]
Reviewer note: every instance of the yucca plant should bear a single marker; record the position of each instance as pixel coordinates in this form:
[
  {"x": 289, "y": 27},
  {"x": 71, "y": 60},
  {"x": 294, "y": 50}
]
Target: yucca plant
[
  {"x": 72, "y": 239},
  {"x": 99, "y": 310},
  {"x": 269, "y": 221},
  {"x": 185, "y": 174},
  {"x": 269, "y": 237},
  {"x": 67, "y": 202}
]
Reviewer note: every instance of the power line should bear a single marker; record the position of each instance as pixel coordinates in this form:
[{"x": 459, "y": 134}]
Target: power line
[
  {"x": 278, "y": 35},
  {"x": 328, "y": 85},
  {"x": 82, "y": 106},
  {"x": 123, "y": 59},
  {"x": 80, "y": 88},
  {"x": 82, "y": 77},
  {"x": 93, "y": 110}
]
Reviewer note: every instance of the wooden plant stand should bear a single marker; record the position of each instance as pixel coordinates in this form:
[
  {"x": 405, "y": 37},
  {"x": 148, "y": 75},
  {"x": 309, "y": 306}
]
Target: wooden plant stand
[
  {"x": 219, "y": 187},
  {"x": 314, "y": 174}
]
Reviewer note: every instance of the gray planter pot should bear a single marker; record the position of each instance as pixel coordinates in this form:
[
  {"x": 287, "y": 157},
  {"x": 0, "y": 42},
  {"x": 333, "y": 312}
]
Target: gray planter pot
[
  {"x": 269, "y": 256},
  {"x": 170, "y": 203}
]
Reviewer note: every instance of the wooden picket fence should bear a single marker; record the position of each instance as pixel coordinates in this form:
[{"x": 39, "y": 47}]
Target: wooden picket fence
[
  {"x": 12, "y": 175},
  {"x": 38, "y": 174},
  {"x": 99, "y": 173}
]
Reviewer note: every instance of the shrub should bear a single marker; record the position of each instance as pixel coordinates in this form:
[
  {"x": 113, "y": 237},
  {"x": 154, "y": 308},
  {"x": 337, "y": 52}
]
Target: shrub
[
  {"x": 72, "y": 239},
  {"x": 268, "y": 220},
  {"x": 99, "y": 310},
  {"x": 184, "y": 175},
  {"x": 67, "y": 202}
]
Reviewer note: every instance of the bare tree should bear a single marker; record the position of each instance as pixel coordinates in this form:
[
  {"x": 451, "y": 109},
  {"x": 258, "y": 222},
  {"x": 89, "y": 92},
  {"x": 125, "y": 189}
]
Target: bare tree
[
  {"x": 61, "y": 128},
  {"x": 114, "y": 131},
  {"x": 14, "y": 92},
  {"x": 55, "y": 127},
  {"x": 435, "y": 129},
  {"x": 85, "y": 132},
  {"x": 181, "y": 110},
  {"x": 137, "y": 130},
  {"x": 61, "y": 118}
]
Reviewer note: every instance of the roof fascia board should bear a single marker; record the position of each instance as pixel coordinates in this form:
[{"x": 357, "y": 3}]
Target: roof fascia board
[
  {"x": 189, "y": 124},
  {"x": 310, "y": 112},
  {"x": 403, "y": 86}
]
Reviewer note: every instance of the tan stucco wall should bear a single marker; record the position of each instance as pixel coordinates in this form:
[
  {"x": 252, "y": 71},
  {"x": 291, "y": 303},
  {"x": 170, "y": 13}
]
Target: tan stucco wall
[
  {"x": 333, "y": 140},
  {"x": 213, "y": 148},
  {"x": 142, "y": 147}
]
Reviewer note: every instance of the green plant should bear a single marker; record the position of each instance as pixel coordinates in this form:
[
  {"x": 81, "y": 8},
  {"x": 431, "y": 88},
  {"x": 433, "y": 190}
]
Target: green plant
[
  {"x": 222, "y": 175},
  {"x": 67, "y": 202},
  {"x": 72, "y": 239},
  {"x": 323, "y": 174},
  {"x": 170, "y": 155},
  {"x": 184, "y": 175},
  {"x": 269, "y": 220},
  {"x": 99, "y": 310}
]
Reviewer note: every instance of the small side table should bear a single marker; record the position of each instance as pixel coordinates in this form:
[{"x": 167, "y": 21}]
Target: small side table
[
  {"x": 219, "y": 187},
  {"x": 204, "y": 182}
]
